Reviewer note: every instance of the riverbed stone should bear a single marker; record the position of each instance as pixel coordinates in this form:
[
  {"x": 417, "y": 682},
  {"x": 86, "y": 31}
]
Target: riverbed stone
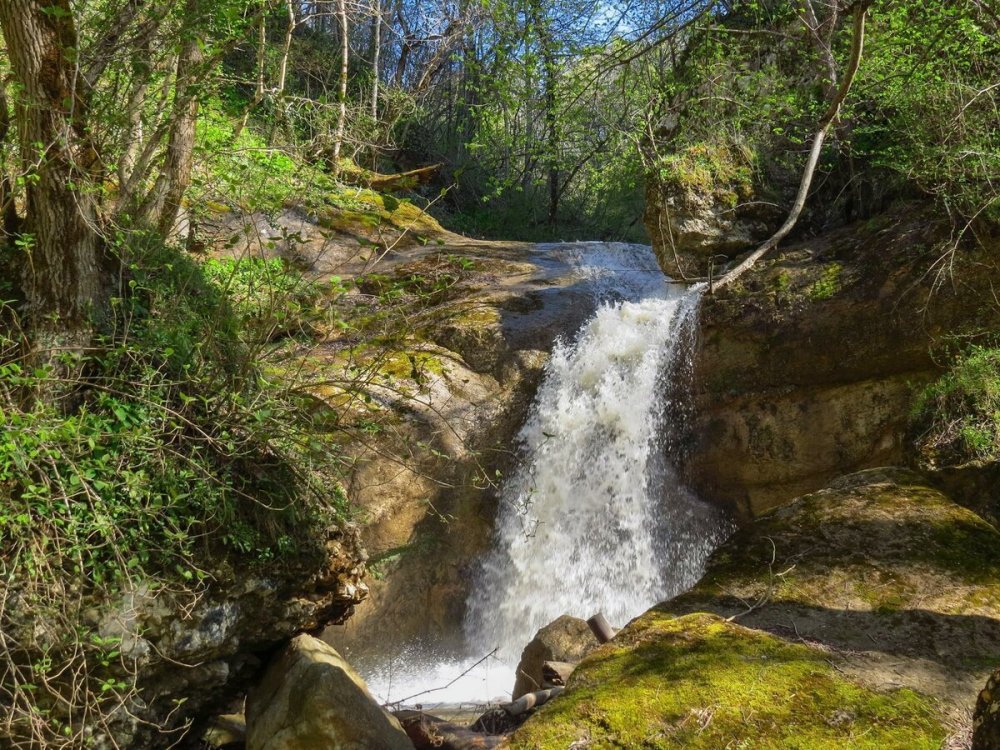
[
  {"x": 566, "y": 639},
  {"x": 311, "y": 699}
]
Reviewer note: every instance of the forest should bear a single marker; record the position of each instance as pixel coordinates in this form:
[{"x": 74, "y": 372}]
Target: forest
[{"x": 400, "y": 329}]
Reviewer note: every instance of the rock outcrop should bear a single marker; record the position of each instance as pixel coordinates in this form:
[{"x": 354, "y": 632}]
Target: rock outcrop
[
  {"x": 862, "y": 616},
  {"x": 310, "y": 698},
  {"x": 809, "y": 368},
  {"x": 700, "y": 209},
  {"x": 176, "y": 656},
  {"x": 986, "y": 721},
  {"x": 566, "y": 639}
]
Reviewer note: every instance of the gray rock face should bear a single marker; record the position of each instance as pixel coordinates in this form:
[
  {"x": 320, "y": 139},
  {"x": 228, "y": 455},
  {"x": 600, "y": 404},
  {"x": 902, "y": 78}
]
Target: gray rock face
[
  {"x": 193, "y": 654},
  {"x": 567, "y": 639},
  {"x": 688, "y": 228},
  {"x": 311, "y": 699},
  {"x": 810, "y": 368}
]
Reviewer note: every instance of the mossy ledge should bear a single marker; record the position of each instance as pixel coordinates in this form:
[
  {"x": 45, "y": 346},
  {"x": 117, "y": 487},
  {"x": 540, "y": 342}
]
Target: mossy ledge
[
  {"x": 699, "y": 681},
  {"x": 866, "y": 615}
]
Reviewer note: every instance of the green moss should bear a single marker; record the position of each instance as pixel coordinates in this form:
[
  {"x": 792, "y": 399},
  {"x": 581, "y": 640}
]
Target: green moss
[
  {"x": 724, "y": 169},
  {"x": 360, "y": 209},
  {"x": 828, "y": 284},
  {"x": 701, "y": 682}
]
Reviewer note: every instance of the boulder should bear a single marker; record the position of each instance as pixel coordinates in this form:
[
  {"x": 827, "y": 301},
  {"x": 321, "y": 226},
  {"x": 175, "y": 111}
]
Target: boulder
[
  {"x": 567, "y": 639},
  {"x": 986, "y": 722},
  {"x": 860, "y": 616},
  {"x": 311, "y": 699}
]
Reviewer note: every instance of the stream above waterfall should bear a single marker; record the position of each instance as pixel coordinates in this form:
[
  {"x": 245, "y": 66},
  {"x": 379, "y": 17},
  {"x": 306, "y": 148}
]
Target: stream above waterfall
[{"x": 592, "y": 518}]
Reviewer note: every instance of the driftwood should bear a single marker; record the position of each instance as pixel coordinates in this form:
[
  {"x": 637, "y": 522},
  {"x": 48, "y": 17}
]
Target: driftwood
[
  {"x": 509, "y": 716},
  {"x": 555, "y": 673},
  {"x": 428, "y": 732},
  {"x": 390, "y": 182},
  {"x": 527, "y": 702},
  {"x": 601, "y": 628}
]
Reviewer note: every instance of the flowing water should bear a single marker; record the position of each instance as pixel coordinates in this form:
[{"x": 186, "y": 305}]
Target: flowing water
[{"x": 594, "y": 518}]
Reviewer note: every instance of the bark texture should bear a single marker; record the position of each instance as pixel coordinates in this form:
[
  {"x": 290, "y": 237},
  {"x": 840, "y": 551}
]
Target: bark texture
[{"x": 62, "y": 277}]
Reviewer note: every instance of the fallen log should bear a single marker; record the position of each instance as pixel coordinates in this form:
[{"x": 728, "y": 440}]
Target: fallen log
[
  {"x": 506, "y": 718},
  {"x": 428, "y": 732},
  {"x": 391, "y": 182},
  {"x": 527, "y": 702},
  {"x": 601, "y": 628}
]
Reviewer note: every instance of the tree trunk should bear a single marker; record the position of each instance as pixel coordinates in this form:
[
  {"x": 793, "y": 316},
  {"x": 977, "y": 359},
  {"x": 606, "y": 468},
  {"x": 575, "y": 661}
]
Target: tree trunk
[
  {"x": 376, "y": 54},
  {"x": 162, "y": 208},
  {"x": 260, "y": 90},
  {"x": 62, "y": 279},
  {"x": 281, "y": 118},
  {"x": 345, "y": 42},
  {"x": 550, "y": 69}
]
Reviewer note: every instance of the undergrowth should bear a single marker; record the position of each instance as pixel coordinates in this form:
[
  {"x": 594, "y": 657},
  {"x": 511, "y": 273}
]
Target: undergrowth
[
  {"x": 958, "y": 416},
  {"x": 173, "y": 453}
]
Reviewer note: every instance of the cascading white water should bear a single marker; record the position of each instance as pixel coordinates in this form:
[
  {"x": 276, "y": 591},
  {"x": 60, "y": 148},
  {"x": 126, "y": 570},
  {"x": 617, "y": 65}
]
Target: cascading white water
[{"x": 593, "y": 519}]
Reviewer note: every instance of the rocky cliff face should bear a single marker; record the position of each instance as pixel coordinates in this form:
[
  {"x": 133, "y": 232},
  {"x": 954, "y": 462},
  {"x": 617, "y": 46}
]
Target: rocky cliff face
[
  {"x": 181, "y": 654},
  {"x": 808, "y": 369}
]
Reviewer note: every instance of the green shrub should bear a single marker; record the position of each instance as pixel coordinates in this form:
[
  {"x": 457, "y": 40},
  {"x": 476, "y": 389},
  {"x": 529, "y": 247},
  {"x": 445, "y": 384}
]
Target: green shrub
[
  {"x": 270, "y": 299},
  {"x": 958, "y": 416},
  {"x": 178, "y": 457}
]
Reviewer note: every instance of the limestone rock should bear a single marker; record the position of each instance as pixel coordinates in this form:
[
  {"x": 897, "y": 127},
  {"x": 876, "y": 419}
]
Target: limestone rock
[
  {"x": 986, "y": 722},
  {"x": 566, "y": 639},
  {"x": 808, "y": 368},
  {"x": 689, "y": 228},
  {"x": 311, "y": 699}
]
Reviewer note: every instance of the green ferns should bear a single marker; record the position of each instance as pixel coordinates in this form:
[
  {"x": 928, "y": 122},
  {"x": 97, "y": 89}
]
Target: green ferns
[{"x": 958, "y": 416}]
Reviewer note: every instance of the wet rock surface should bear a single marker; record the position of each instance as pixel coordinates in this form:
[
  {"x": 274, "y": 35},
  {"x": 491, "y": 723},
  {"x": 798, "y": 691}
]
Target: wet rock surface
[{"x": 567, "y": 639}]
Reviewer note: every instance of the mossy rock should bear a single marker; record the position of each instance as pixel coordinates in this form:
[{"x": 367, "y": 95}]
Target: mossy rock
[
  {"x": 701, "y": 682},
  {"x": 898, "y": 581},
  {"x": 863, "y": 615}
]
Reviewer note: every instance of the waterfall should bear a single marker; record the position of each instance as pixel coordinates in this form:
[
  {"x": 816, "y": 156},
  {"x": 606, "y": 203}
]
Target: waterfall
[{"x": 593, "y": 518}]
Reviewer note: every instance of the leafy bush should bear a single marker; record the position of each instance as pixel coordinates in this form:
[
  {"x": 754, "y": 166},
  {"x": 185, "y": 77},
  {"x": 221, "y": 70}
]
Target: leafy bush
[
  {"x": 270, "y": 299},
  {"x": 172, "y": 456},
  {"x": 958, "y": 416}
]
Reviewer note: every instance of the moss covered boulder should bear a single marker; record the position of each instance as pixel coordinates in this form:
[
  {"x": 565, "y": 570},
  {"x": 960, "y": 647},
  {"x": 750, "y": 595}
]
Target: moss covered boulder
[
  {"x": 863, "y": 615},
  {"x": 702, "y": 682}
]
